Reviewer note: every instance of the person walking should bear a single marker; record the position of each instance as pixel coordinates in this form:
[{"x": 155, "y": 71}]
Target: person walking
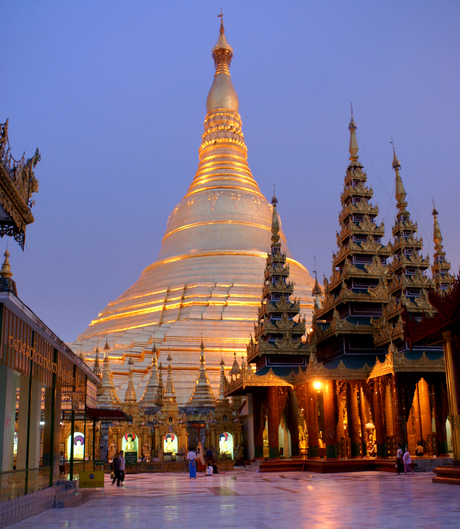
[
  {"x": 399, "y": 459},
  {"x": 116, "y": 464},
  {"x": 122, "y": 467},
  {"x": 407, "y": 462},
  {"x": 191, "y": 457}
]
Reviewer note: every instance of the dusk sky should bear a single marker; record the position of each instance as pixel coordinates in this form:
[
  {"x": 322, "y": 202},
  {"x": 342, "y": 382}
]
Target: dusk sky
[{"x": 114, "y": 96}]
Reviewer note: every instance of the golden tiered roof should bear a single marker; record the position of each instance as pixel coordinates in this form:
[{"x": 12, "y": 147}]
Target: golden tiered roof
[{"x": 202, "y": 396}]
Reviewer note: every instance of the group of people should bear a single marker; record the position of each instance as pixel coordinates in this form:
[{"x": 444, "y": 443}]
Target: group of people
[
  {"x": 403, "y": 461},
  {"x": 196, "y": 459},
  {"x": 118, "y": 467}
]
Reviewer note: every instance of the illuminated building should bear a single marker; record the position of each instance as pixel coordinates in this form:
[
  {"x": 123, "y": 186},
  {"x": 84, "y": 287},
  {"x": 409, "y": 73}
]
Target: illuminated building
[
  {"x": 206, "y": 280},
  {"x": 359, "y": 387}
]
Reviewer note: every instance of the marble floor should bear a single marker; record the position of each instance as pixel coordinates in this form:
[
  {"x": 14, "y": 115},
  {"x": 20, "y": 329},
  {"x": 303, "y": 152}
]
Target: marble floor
[{"x": 270, "y": 500}]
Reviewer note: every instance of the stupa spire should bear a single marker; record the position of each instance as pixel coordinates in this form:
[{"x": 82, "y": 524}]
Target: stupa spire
[
  {"x": 400, "y": 193},
  {"x": 222, "y": 382},
  {"x": 440, "y": 268},
  {"x": 6, "y": 272},
  {"x": 130, "y": 395},
  {"x": 149, "y": 398},
  {"x": 169, "y": 399},
  {"x": 6, "y": 283},
  {"x": 161, "y": 389},
  {"x": 107, "y": 397},
  {"x": 222, "y": 93},
  {"x": 202, "y": 395},
  {"x": 275, "y": 223},
  {"x": 97, "y": 367},
  {"x": 353, "y": 148}
]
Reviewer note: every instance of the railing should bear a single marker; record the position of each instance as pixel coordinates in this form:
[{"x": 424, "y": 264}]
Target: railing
[{"x": 15, "y": 483}]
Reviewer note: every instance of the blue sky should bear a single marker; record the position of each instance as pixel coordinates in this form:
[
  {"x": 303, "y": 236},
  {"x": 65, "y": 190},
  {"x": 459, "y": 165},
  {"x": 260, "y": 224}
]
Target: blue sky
[{"x": 113, "y": 94}]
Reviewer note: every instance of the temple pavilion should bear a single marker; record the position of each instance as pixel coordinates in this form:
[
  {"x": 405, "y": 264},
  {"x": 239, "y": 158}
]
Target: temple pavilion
[{"x": 354, "y": 386}]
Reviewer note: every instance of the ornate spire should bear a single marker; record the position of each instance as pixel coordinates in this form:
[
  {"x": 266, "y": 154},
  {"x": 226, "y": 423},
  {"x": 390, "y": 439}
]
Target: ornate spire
[
  {"x": 202, "y": 396},
  {"x": 276, "y": 332},
  {"x": 169, "y": 399},
  {"x": 149, "y": 398},
  {"x": 353, "y": 149},
  {"x": 97, "y": 367},
  {"x": 400, "y": 193},
  {"x": 222, "y": 94},
  {"x": 6, "y": 283},
  {"x": 161, "y": 389},
  {"x": 223, "y": 382},
  {"x": 235, "y": 370},
  {"x": 107, "y": 397},
  {"x": 130, "y": 395},
  {"x": 6, "y": 272},
  {"x": 440, "y": 269},
  {"x": 275, "y": 223}
]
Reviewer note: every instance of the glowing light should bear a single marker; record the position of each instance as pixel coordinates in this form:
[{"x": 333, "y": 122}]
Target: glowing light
[{"x": 317, "y": 385}]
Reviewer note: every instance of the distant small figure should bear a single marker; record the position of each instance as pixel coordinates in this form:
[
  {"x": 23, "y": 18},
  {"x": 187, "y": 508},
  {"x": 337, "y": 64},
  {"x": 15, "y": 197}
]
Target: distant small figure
[
  {"x": 215, "y": 470},
  {"x": 399, "y": 459},
  {"x": 209, "y": 470},
  {"x": 407, "y": 462},
  {"x": 281, "y": 452},
  {"x": 419, "y": 451},
  {"x": 191, "y": 456}
]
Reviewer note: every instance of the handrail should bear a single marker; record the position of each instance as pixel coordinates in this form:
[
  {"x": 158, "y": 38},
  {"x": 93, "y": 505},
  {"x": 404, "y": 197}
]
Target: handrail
[{"x": 24, "y": 470}]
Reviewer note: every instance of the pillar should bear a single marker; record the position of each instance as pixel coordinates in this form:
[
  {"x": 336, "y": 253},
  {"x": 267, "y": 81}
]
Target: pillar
[
  {"x": 425, "y": 411},
  {"x": 259, "y": 422},
  {"x": 294, "y": 423},
  {"x": 380, "y": 432},
  {"x": 273, "y": 422},
  {"x": 416, "y": 418},
  {"x": 330, "y": 418},
  {"x": 364, "y": 413},
  {"x": 439, "y": 422},
  {"x": 453, "y": 392},
  {"x": 399, "y": 412},
  {"x": 8, "y": 383},
  {"x": 29, "y": 423},
  {"x": 312, "y": 420},
  {"x": 354, "y": 425}
]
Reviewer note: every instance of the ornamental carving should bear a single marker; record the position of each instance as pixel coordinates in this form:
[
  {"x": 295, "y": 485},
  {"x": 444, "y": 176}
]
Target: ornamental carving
[{"x": 17, "y": 185}]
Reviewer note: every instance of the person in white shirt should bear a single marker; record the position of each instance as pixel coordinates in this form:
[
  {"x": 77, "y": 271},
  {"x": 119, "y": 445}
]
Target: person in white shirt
[
  {"x": 191, "y": 456},
  {"x": 407, "y": 462}
]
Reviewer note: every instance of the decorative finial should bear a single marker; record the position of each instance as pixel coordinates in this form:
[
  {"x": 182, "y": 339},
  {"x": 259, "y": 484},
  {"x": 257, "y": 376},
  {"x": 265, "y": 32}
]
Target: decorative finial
[
  {"x": 221, "y": 16},
  {"x": 396, "y": 163},
  {"x": 6, "y": 272},
  {"x": 400, "y": 192},
  {"x": 353, "y": 148}
]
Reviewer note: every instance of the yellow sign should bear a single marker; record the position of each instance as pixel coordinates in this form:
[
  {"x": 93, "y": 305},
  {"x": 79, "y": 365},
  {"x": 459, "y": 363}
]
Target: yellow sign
[{"x": 92, "y": 479}]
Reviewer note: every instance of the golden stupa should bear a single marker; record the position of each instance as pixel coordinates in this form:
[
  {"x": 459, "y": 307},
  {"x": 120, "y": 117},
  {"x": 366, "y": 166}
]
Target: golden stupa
[{"x": 206, "y": 283}]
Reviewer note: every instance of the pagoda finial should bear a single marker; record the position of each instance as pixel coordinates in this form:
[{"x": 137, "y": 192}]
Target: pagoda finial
[
  {"x": 400, "y": 193},
  {"x": 441, "y": 267},
  {"x": 130, "y": 395},
  {"x": 437, "y": 237},
  {"x": 107, "y": 397},
  {"x": 6, "y": 272},
  {"x": 353, "y": 148},
  {"x": 97, "y": 368},
  {"x": 202, "y": 395},
  {"x": 275, "y": 221},
  {"x": 222, "y": 93}
]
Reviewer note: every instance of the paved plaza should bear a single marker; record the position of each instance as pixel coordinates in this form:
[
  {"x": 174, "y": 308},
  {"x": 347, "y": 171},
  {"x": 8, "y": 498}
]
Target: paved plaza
[{"x": 254, "y": 500}]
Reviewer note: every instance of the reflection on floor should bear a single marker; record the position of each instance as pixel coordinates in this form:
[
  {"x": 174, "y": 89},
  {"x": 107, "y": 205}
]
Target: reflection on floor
[{"x": 249, "y": 500}]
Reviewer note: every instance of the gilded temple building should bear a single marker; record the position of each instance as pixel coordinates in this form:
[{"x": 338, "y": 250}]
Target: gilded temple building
[
  {"x": 205, "y": 282},
  {"x": 356, "y": 386}
]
